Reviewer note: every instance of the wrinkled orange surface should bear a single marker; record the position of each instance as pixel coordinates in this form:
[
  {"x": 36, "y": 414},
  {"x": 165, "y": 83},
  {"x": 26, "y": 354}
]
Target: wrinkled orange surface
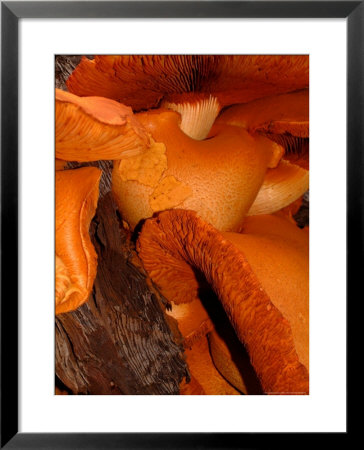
[
  {"x": 277, "y": 251},
  {"x": 77, "y": 193},
  {"x": 267, "y": 304}
]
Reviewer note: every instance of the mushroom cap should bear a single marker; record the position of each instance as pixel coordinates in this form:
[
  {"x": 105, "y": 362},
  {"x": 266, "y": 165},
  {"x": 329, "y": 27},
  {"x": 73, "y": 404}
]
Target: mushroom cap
[
  {"x": 284, "y": 119},
  {"x": 218, "y": 177},
  {"x": 277, "y": 114},
  {"x": 77, "y": 193},
  {"x": 278, "y": 253},
  {"x": 95, "y": 128},
  {"x": 177, "y": 241},
  {"x": 143, "y": 81}
]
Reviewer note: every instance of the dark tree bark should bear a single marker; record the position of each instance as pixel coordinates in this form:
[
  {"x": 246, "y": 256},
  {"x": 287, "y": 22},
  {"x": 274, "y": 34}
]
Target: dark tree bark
[{"x": 119, "y": 341}]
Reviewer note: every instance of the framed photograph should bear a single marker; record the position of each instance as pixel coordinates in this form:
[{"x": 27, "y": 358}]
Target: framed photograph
[{"x": 280, "y": 80}]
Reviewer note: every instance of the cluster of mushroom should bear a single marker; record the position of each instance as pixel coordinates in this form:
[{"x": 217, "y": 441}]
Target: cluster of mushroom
[{"x": 206, "y": 150}]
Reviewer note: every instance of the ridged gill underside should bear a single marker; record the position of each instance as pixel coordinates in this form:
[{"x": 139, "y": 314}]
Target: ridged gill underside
[{"x": 178, "y": 239}]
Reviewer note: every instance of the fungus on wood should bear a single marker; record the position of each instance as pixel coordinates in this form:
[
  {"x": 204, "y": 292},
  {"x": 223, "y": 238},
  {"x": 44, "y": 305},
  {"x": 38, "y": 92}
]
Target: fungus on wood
[
  {"x": 166, "y": 126},
  {"x": 283, "y": 119},
  {"x": 193, "y": 85},
  {"x": 260, "y": 277},
  {"x": 227, "y": 170},
  {"x": 119, "y": 342}
]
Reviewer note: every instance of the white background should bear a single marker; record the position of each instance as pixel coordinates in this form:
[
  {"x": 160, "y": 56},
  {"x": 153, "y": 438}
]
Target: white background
[{"x": 325, "y": 408}]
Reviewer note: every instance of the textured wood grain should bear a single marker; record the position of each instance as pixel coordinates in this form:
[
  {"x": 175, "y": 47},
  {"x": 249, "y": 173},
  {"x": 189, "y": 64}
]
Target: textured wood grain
[{"x": 119, "y": 341}]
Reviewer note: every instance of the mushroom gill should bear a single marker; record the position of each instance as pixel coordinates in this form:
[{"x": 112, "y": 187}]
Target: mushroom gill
[
  {"x": 259, "y": 276},
  {"x": 197, "y": 86},
  {"x": 142, "y": 81},
  {"x": 95, "y": 128},
  {"x": 197, "y": 115},
  {"x": 77, "y": 192},
  {"x": 281, "y": 187}
]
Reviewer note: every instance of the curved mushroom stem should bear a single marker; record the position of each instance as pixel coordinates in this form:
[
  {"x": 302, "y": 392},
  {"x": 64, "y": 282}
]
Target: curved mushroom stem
[{"x": 182, "y": 239}]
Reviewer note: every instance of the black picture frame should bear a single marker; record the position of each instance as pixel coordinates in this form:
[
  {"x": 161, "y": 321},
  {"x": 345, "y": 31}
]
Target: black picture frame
[{"x": 11, "y": 12}]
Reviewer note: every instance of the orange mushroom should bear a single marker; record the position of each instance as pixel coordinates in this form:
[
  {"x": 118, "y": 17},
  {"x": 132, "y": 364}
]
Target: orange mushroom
[
  {"x": 59, "y": 164},
  {"x": 223, "y": 170},
  {"x": 95, "y": 128},
  {"x": 205, "y": 378},
  {"x": 277, "y": 114},
  {"x": 285, "y": 120},
  {"x": 281, "y": 187},
  {"x": 196, "y": 86},
  {"x": 290, "y": 211},
  {"x": 232, "y": 361},
  {"x": 260, "y": 277},
  {"x": 193, "y": 320},
  {"x": 77, "y": 192},
  {"x": 218, "y": 177},
  {"x": 154, "y": 169},
  {"x": 224, "y": 356}
]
